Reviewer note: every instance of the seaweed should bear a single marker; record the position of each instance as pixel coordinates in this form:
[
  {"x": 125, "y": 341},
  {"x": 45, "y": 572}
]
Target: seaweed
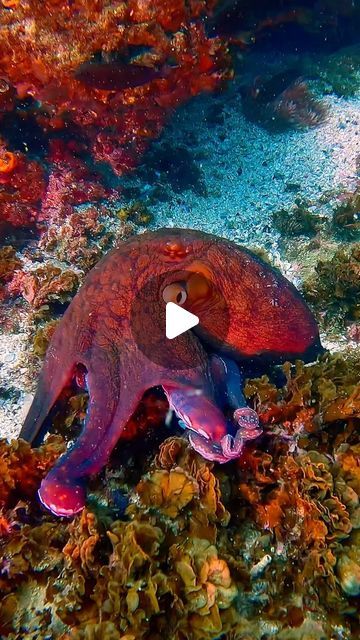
[{"x": 268, "y": 543}]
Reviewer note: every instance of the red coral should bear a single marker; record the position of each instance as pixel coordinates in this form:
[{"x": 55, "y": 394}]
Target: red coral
[
  {"x": 116, "y": 125},
  {"x": 43, "y": 285},
  {"x": 21, "y": 189}
]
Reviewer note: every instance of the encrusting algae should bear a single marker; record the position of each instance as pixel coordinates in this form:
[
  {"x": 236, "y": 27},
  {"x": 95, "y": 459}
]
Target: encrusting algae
[
  {"x": 264, "y": 546},
  {"x": 334, "y": 288}
]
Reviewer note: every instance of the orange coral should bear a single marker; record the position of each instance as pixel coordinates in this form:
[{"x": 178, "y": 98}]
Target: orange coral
[
  {"x": 44, "y": 284},
  {"x": 276, "y": 533},
  {"x": 84, "y": 537},
  {"x": 22, "y": 468},
  {"x": 10, "y": 4},
  {"x": 170, "y": 491},
  {"x": 7, "y": 162}
]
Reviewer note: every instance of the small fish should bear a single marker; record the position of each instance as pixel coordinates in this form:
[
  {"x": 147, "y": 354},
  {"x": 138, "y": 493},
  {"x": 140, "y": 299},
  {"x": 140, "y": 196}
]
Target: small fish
[
  {"x": 116, "y": 76},
  {"x": 299, "y": 16}
]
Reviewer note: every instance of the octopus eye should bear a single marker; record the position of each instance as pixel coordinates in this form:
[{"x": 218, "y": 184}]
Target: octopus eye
[{"x": 175, "y": 292}]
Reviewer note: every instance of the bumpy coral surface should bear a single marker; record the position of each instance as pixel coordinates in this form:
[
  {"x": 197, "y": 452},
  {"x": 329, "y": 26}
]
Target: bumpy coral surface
[
  {"x": 44, "y": 45},
  {"x": 266, "y": 545}
]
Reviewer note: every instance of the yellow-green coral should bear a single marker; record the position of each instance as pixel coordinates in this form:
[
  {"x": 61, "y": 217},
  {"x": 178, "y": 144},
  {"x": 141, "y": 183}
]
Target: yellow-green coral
[
  {"x": 346, "y": 216},
  {"x": 297, "y": 221},
  {"x": 335, "y": 286},
  {"x": 137, "y": 212}
]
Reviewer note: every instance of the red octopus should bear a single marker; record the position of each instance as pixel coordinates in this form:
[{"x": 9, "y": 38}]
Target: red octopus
[{"x": 114, "y": 331}]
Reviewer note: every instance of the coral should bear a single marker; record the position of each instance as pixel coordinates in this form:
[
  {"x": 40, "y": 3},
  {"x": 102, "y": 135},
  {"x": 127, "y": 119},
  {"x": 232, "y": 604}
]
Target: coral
[
  {"x": 169, "y": 491},
  {"x": 44, "y": 285},
  {"x": 298, "y": 107},
  {"x": 43, "y": 336},
  {"x": 81, "y": 546},
  {"x": 269, "y": 544},
  {"x": 80, "y": 240},
  {"x": 353, "y": 332},
  {"x": 137, "y": 212},
  {"x": 346, "y": 216},
  {"x": 116, "y": 125},
  {"x": 334, "y": 288},
  {"x": 297, "y": 221},
  {"x": 314, "y": 395},
  {"x": 22, "y": 468},
  {"x": 21, "y": 191},
  {"x": 9, "y": 263},
  {"x": 281, "y": 101},
  {"x": 7, "y": 162}
]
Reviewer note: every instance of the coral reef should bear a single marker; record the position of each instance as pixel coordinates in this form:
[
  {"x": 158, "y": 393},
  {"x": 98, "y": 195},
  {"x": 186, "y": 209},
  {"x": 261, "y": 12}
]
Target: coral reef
[
  {"x": 9, "y": 263},
  {"x": 266, "y": 545},
  {"x": 66, "y": 134},
  {"x": 171, "y": 545},
  {"x": 137, "y": 212},
  {"x": 45, "y": 284},
  {"x": 116, "y": 123},
  {"x": 22, "y": 185}
]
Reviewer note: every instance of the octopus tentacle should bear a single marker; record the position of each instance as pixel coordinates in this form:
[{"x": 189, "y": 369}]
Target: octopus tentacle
[
  {"x": 63, "y": 489},
  {"x": 247, "y": 421},
  {"x": 228, "y": 382}
]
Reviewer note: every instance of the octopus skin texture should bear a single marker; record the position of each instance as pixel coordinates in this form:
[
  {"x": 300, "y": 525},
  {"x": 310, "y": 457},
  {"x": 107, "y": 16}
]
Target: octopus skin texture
[{"x": 264, "y": 318}]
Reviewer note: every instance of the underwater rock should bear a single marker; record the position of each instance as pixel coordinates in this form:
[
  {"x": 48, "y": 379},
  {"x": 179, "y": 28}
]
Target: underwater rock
[
  {"x": 338, "y": 72},
  {"x": 174, "y": 165},
  {"x": 116, "y": 125}
]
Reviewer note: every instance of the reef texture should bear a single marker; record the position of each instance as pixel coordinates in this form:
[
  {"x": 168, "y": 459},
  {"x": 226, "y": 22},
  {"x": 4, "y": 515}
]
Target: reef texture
[
  {"x": 334, "y": 288},
  {"x": 266, "y": 546},
  {"x": 66, "y": 140},
  {"x": 42, "y": 48}
]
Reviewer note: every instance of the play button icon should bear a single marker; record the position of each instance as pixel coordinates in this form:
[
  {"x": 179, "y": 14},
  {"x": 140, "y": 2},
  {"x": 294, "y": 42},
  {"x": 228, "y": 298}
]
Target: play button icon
[
  {"x": 172, "y": 333},
  {"x": 178, "y": 320}
]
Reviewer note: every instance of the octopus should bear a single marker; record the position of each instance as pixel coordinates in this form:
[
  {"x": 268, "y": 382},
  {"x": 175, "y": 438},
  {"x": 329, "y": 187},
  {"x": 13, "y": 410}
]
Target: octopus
[{"x": 259, "y": 317}]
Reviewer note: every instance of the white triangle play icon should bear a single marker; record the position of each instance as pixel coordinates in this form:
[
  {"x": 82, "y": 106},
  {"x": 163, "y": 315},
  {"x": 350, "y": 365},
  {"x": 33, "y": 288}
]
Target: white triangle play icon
[{"x": 178, "y": 320}]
